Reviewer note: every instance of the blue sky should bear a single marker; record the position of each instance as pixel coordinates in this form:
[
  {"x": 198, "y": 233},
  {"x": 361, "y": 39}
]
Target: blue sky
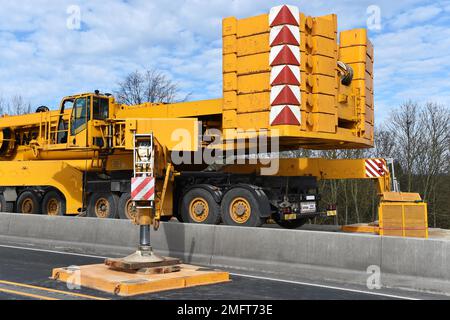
[{"x": 43, "y": 60}]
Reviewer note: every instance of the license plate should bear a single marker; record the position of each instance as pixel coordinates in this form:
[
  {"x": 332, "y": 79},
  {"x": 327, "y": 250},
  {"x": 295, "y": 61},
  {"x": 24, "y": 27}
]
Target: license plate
[
  {"x": 332, "y": 213},
  {"x": 289, "y": 217},
  {"x": 308, "y": 207}
]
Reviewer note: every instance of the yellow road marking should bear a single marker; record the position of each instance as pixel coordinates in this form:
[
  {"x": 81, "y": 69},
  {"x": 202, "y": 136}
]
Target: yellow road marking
[
  {"x": 25, "y": 294},
  {"x": 51, "y": 290}
]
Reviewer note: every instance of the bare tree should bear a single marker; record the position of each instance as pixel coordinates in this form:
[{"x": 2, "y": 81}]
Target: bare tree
[
  {"x": 148, "y": 86},
  {"x": 418, "y": 138},
  {"x": 384, "y": 142},
  {"x": 3, "y": 106},
  {"x": 18, "y": 106},
  {"x": 406, "y": 129},
  {"x": 433, "y": 162},
  {"x": 14, "y": 106}
]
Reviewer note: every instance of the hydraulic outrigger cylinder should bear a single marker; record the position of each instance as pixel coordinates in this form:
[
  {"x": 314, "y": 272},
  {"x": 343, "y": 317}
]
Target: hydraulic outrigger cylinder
[{"x": 143, "y": 195}]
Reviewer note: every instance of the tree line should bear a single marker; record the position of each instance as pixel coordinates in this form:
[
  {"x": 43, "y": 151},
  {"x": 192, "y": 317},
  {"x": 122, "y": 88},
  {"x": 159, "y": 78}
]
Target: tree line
[
  {"x": 417, "y": 137},
  {"x": 14, "y": 105}
]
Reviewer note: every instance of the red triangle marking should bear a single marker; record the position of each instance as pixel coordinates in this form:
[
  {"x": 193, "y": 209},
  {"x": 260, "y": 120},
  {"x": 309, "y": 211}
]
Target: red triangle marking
[
  {"x": 286, "y": 96},
  {"x": 285, "y": 37},
  {"x": 285, "y": 57},
  {"x": 285, "y": 16},
  {"x": 286, "y": 76},
  {"x": 286, "y": 117}
]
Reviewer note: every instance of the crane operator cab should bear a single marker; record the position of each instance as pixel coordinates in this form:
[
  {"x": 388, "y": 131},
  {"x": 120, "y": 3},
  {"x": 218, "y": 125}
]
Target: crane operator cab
[{"x": 83, "y": 121}]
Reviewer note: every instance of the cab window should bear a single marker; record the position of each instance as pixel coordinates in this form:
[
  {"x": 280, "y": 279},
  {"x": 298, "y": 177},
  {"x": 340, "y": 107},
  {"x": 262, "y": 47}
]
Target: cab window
[
  {"x": 80, "y": 115},
  {"x": 63, "y": 126},
  {"x": 101, "y": 108}
]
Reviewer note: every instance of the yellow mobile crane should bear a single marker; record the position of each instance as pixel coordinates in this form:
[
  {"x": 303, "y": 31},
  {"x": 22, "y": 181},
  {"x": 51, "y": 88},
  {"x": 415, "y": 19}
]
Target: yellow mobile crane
[{"x": 286, "y": 79}]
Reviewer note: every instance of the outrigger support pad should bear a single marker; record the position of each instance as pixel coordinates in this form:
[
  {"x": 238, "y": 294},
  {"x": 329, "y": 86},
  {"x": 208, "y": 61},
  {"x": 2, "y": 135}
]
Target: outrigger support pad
[{"x": 144, "y": 258}]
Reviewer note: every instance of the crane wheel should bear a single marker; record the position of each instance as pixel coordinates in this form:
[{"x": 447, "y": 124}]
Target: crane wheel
[
  {"x": 54, "y": 204},
  {"x": 240, "y": 208},
  {"x": 103, "y": 205},
  {"x": 5, "y": 207},
  {"x": 199, "y": 206},
  {"x": 29, "y": 203},
  {"x": 125, "y": 207},
  {"x": 294, "y": 224}
]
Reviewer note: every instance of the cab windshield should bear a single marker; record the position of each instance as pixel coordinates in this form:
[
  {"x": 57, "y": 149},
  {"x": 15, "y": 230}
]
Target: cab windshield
[{"x": 80, "y": 115}]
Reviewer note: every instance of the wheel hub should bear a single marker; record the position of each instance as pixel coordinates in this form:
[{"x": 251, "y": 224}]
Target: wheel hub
[
  {"x": 53, "y": 207},
  {"x": 199, "y": 210},
  {"x": 27, "y": 206},
  {"x": 102, "y": 208},
  {"x": 240, "y": 210}
]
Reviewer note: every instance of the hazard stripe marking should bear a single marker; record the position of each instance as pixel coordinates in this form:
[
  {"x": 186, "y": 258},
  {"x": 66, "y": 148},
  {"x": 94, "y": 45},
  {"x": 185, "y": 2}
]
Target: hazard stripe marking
[
  {"x": 285, "y": 35},
  {"x": 143, "y": 189},
  {"x": 284, "y": 58},
  {"x": 284, "y": 14},
  {"x": 285, "y": 95},
  {"x": 285, "y": 54},
  {"x": 289, "y": 75},
  {"x": 375, "y": 168},
  {"x": 285, "y": 115}
]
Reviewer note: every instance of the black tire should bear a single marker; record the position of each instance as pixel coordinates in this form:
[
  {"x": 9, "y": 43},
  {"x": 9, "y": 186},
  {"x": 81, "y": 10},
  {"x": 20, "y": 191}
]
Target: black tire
[
  {"x": 124, "y": 207},
  {"x": 198, "y": 206},
  {"x": 240, "y": 208},
  {"x": 103, "y": 205},
  {"x": 29, "y": 203},
  {"x": 54, "y": 204},
  {"x": 294, "y": 224}
]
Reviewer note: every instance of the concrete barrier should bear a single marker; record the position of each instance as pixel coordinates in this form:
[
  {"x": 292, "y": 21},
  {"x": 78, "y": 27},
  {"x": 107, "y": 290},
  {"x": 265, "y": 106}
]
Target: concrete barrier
[
  {"x": 85, "y": 235},
  {"x": 290, "y": 254}
]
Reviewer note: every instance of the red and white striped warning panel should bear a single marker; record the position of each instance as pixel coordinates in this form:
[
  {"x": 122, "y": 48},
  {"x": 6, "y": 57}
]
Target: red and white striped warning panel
[
  {"x": 285, "y": 95},
  {"x": 287, "y": 75},
  {"x": 283, "y": 15},
  {"x": 143, "y": 189},
  {"x": 285, "y": 78},
  {"x": 282, "y": 115},
  {"x": 285, "y": 55},
  {"x": 376, "y": 168},
  {"x": 281, "y": 35}
]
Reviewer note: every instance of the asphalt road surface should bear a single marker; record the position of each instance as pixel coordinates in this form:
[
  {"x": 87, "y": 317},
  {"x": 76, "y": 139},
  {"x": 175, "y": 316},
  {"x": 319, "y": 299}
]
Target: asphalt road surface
[{"x": 25, "y": 272}]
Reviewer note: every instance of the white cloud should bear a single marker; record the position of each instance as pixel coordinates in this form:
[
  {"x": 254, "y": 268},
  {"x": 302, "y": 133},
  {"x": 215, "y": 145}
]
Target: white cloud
[{"x": 416, "y": 15}]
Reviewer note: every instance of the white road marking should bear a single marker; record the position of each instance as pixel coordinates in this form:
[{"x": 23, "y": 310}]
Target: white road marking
[
  {"x": 325, "y": 286},
  {"x": 235, "y": 274},
  {"x": 52, "y": 251}
]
